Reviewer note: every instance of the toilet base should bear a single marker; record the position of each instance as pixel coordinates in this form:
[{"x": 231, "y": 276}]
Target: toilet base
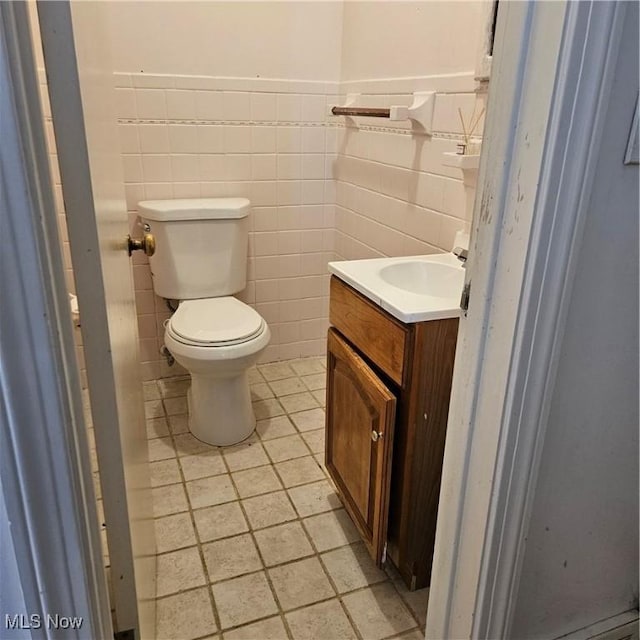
[{"x": 220, "y": 411}]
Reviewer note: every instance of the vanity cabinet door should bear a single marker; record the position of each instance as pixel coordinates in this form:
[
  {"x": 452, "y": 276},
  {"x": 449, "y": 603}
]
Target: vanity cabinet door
[{"x": 359, "y": 440}]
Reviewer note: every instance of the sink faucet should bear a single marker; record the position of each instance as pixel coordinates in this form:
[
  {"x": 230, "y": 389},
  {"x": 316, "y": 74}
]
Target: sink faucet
[{"x": 461, "y": 254}]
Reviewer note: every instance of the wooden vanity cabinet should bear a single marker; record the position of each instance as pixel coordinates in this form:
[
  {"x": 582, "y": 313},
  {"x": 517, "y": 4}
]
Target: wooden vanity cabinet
[{"x": 388, "y": 388}]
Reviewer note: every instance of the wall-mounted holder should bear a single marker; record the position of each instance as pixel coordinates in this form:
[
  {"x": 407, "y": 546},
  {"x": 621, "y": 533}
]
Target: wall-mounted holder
[
  {"x": 419, "y": 112},
  {"x": 468, "y": 164}
]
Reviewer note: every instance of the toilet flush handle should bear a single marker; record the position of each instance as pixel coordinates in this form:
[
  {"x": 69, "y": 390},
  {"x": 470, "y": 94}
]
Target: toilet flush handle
[{"x": 147, "y": 244}]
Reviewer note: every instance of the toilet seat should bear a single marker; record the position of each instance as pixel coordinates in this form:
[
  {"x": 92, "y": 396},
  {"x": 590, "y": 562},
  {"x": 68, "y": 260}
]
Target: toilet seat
[{"x": 215, "y": 322}]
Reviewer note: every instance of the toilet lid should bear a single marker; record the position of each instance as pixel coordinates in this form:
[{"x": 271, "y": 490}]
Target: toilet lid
[{"x": 214, "y": 321}]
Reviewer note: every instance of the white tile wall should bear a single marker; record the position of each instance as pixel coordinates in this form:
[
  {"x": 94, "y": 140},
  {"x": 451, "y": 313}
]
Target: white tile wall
[
  {"x": 319, "y": 190},
  {"x": 269, "y": 146},
  {"x": 393, "y": 194}
]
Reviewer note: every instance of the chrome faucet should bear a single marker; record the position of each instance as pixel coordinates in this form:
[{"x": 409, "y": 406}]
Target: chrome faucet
[{"x": 461, "y": 254}]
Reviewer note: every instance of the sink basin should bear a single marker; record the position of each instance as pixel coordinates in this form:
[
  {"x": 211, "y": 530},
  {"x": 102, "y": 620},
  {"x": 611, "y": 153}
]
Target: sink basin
[
  {"x": 424, "y": 278},
  {"x": 412, "y": 289}
]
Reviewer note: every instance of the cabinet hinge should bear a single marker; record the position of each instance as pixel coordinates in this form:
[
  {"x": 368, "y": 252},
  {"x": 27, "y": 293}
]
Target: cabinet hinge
[{"x": 464, "y": 299}]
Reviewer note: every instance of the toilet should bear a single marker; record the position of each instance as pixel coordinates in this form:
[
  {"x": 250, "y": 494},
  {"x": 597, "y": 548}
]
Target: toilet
[{"x": 201, "y": 261}]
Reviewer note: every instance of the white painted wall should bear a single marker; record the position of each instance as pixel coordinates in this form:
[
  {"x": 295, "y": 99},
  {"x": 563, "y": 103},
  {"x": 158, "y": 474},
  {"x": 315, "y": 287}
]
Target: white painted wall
[
  {"x": 293, "y": 40},
  {"x": 394, "y": 196},
  {"x": 581, "y": 560},
  {"x": 400, "y": 39}
]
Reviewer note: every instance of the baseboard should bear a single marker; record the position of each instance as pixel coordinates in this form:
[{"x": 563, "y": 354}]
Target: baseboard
[{"x": 624, "y": 626}]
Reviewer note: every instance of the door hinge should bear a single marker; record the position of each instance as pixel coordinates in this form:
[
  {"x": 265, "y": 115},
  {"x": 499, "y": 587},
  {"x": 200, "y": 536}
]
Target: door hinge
[
  {"x": 384, "y": 553},
  {"x": 464, "y": 299}
]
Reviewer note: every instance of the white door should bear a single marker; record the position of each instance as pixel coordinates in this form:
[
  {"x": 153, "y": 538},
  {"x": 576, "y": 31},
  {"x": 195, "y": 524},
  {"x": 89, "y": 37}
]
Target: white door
[{"x": 80, "y": 88}]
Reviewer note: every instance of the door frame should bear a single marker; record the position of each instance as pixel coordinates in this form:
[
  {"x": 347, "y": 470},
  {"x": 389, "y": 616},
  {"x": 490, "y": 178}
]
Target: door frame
[
  {"x": 553, "y": 69},
  {"x": 46, "y": 476},
  {"x": 518, "y": 301}
]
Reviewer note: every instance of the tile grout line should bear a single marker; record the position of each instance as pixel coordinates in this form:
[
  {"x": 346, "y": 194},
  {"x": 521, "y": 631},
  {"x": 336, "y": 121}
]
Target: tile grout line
[
  {"x": 299, "y": 518},
  {"x": 260, "y": 556},
  {"x": 205, "y": 569}
]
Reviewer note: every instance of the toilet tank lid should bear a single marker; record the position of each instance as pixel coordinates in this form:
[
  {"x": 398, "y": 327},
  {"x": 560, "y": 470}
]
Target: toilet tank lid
[{"x": 194, "y": 209}]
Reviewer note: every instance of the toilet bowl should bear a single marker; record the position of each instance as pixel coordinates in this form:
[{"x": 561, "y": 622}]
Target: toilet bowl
[
  {"x": 217, "y": 340},
  {"x": 200, "y": 260}
]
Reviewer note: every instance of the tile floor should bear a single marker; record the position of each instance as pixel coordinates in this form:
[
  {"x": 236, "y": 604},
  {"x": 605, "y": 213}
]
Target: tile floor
[{"x": 252, "y": 540}]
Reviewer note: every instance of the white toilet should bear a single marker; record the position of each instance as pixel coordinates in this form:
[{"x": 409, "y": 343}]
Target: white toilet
[{"x": 201, "y": 261}]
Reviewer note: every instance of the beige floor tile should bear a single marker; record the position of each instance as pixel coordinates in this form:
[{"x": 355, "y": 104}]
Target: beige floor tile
[
  {"x": 202, "y": 465},
  {"x": 91, "y": 437},
  {"x": 97, "y": 488},
  {"x": 287, "y": 386},
  {"x": 150, "y": 390},
  {"x": 207, "y": 492},
  {"x": 171, "y": 388},
  {"x": 320, "y": 396},
  {"x": 417, "y": 601},
  {"x": 169, "y": 499},
  {"x": 174, "y": 532},
  {"x": 315, "y": 440},
  {"x": 298, "y": 402},
  {"x": 314, "y": 498},
  {"x": 254, "y": 376},
  {"x": 100, "y": 510},
  {"x": 286, "y": 448},
  {"x": 178, "y": 571},
  {"x": 245, "y": 456},
  {"x": 275, "y": 371},
  {"x": 175, "y": 406},
  {"x": 331, "y": 530},
  {"x": 275, "y": 428},
  {"x": 378, "y": 612},
  {"x": 315, "y": 381},
  {"x": 243, "y": 600},
  {"x": 164, "y": 472},
  {"x": 231, "y": 557},
  {"x": 221, "y": 521},
  {"x": 267, "y": 409},
  {"x": 308, "y": 420},
  {"x": 300, "y": 583},
  {"x": 105, "y": 547},
  {"x": 283, "y": 543},
  {"x": 157, "y": 428},
  {"x": 253, "y": 482},
  {"x": 153, "y": 409},
  {"x": 307, "y": 366},
  {"x": 352, "y": 568},
  {"x": 267, "y": 510},
  {"x": 161, "y": 449},
  {"x": 269, "y": 629},
  {"x": 260, "y": 391},
  {"x": 188, "y": 445},
  {"x": 323, "y": 621},
  {"x": 299, "y": 471},
  {"x": 414, "y": 634},
  {"x": 93, "y": 459},
  {"x": 319, "y": 458},
  {"x": 188, "y": 615},
  {"x": 179, "y": 424}
]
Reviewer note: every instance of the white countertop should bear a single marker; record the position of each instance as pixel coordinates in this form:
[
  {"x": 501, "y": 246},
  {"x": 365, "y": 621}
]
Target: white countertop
[{"x": 412, "y": 289}]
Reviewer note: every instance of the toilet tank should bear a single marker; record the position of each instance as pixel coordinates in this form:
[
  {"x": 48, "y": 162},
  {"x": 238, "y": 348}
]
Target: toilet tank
[{"x": 201, "y": 246}]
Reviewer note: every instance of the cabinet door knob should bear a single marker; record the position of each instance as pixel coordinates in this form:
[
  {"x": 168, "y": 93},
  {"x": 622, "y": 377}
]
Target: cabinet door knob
[{"x": 375, "y": 435}]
